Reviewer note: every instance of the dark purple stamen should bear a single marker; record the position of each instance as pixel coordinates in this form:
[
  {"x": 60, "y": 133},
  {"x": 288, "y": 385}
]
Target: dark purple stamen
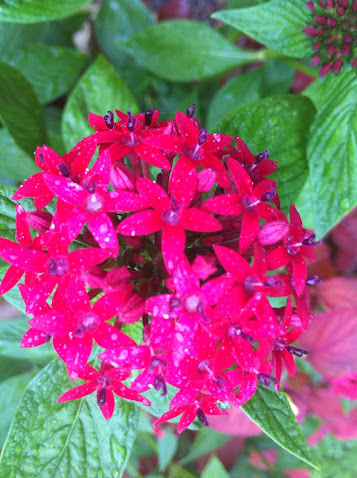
[
  {"x": 266, "y": 379},
  {"x": 109, "y": 120},
  {"x": 268, "y": 196},
  {"x": 102, "y": 397},
  {"x": 57, "y": 268},
  {"x": 202, "y": 417},
  {"x": 174, "y": 302},
  {"x": 159, "y": 383},
  {"x": 190, "y": 112},
  {"x": 91, "y": 187},
  {"x": 64, "y": 170},
  {"x": 48, "y": 337},
  {"x": 310, "y": 240},
  {"x": 313, "y": 280},
  {"x": 201, "y": 311},
  {"x": 40, "y": 155},
  {"x": 148, "y": 116},
  {"x": 261, "y": 156},
  {"x": 220, "y": 382},
  {"x": 271, "y": 282},
  {"x": 202, "y": 137},
  {"x": 247, "y": 337},
  {"x": 296, "y": 351},
  {"x": 155, "y": 362},
  {"x": 131, "y": 122}
]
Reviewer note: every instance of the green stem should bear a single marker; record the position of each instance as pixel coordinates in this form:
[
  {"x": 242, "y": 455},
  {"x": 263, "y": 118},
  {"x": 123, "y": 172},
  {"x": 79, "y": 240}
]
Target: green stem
[
  {"x": 133, "y": 470},
  {"x": 267, "y": 55}
]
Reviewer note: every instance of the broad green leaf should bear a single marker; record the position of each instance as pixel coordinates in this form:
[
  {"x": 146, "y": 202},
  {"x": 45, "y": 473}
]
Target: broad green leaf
[
  {"x": 71, "y": 439},
  {"x": 319, "y": 89},
  {"x": 272, "y": 413},
  {"x": 206, "y": 441},
  {"x": 20, "y": 110},
  {"x": 337, "y": 458},
  {"x": 9, "y": 367},
  {"x": 214, "y": 469},
  {"x": 303, "y": 205},
  {"x": 99, "y": 89},
  {"x": 11, "y": 333},
  {"x": 281, "y": 124},
  {"x": 179, "y": 472},
  {"x": 33, "y": 11},
  {"x": 332, "y": 153},
  {"x": 51, "y": 70},
  {"x": 11, "y": 391},
  {"x": 53, "y": 117},
  {"x": 16, "y": 164},
  {"x": 272, "y": 78},
  {"x": 167, "y": 448},
  {"x": 8, "y": 212},
  {"x": 276, "y": 24},
  {"x": 115, "y": 22},
  {"x": 185, "y": 50}
]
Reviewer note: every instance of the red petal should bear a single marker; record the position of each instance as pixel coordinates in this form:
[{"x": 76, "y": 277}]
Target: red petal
[
  {"x": 79, "y": 392},
  {"x": 153, "y": 194},
  {"x": 250, "y": 228},
  {"x": 159, "y": 306},
  {"x": 77, "y": 297},
  {"x": 23, "y": 233},
  {"x": 108, "y": 336},
  {"x": 185, "y": 281},
  {"x": 33, "y": 338},
  {"x": 125, "y": 201},
  {"x": 134, "y": 356},
  {"x": 240, "y": 177},
  {"x": 224, "y": 204},
  {"x": 212, "y": 162},
  {"x": 197, "y": 220},
  {"x": 82, "y": 259},
  {"x": 26, "y": 259},
  {"x": 33, "y": 186},
  {"x": 233, "y": 263},
  {"x": 278, "y": 258},
  {"x": 140, "y": 223},
  {"x": 104, "y": 233},
  {"x": 65, "y": 189},
  {"x": 152, "y": 156},
  {"x": 10, "y": 279},
  {"x": 108, "y": 408},
  {"x": 187, "y": 418},
  {"x": 125, "y": 392},
  {"x": 299, "y": 273},
  {"x": 172, "y": 244},
  {"x": 183, "y": 183},
  {"x": 166, "y": 142},
  {"x": 296, "y": 223},
  {"x": 188, "y": 129}
]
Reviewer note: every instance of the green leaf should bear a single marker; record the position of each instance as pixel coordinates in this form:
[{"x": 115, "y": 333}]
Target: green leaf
[
  {"x": 272, "y": 78},
  {"x": 15, "y": 163},
  {"x": 11, "y": 333},
  {"x": 272, "y": 413},
  {"x": 71, "y": 439},
  {"x": 198, "y": 50},
  {"x": 53, "y": 117},
  {"x": 214, "y": 469},
  {"x": 8, "y": 212},
  {"x": 99, "y": 89},
  {"x": 10, "y": 367},
  {"x": 115, "y": 22},
  {"x": 11, "y": 391},
  {"x": 51, "y": 70},
  {"x": 332, "y": 153},
  {"x": 319, "y": 89},
  {"x": 206, "y": 441},
  {"x": 33, "y": 11},
  {"x": 20, "y": 110},
  {"x": 276, "y": 24},
  {"x": 167, "y": 448},
  {"x": 337, "y": 458},
  {"x": 179, "y": 472},
  {"x": 281, "y": 124}
]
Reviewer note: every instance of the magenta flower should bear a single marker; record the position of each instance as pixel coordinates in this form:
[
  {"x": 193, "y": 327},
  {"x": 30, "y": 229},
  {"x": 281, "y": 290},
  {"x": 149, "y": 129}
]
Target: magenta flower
[
  {"x": 196, "y": 147},
  {"x": 171, "y": 214},
  {"x": 92, "y": 203},
  {"x": 249, "y": 201},
  {"x": 106, "y": 381}
]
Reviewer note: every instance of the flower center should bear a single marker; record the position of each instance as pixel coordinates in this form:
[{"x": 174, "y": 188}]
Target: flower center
[
  {"x": 57, "y": 267},
  {"x": 170, "y": 217},
  {"x": 86, "y": 323},
  {"x": 191, "y": 303},
  {"x": 94, "y": 203}
]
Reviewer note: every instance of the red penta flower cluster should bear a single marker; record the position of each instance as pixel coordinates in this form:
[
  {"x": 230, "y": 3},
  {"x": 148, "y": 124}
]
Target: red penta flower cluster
[
  {"x": 188, "y": 248},
  {"x": 334, "y": 32}
]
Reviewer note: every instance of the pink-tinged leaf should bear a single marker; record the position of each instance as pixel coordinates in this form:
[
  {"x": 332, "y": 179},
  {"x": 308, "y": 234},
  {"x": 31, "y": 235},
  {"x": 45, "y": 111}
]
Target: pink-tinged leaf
[
  {"x": 141, "y": 223},
  {"x": 272, "y": 232},
  {"x": 296, "y": 223},
  {"x": 212, "y": 162},
  {"x": 108, "y": 336},
  {"x": 33, "y": 338},
  {"x": 240, "y": 177},
  {"x": 166, "y": 142},
  {"x": 27, "y": 259},
  {"x": 82, "y": 259},
  {"x": 159, "y": 306},
  {"x": 33, "y": 186},
  {"x": 233, "y": 263},
  {"x": 104, "y": 233},
  {"x": 152, "y": 156},
  {"x": 172, "y": 244},
  {"x": 187, "y": 128},
  {"x": 78, "y": 392},
  {"x": 153, "y": 194},
  {"x": 206, "y": 180},
  {"x": 108, "y": 408},
  {"x": 338, "y": 292},
  {"x": 125, "y": 392},
  {"x": 183, "y": 183},
  {"x": 224, "y": 204},
  {"x": 23, "y": 233},
  {"x": 197, "y": 220},
  {"x": 187, "y": 418},
  {"x": 125, "y": 201},
  {"x": 134, "y": 356},
  {"x": 277, "y": 258},
  {"x": 10, "y": 279},
  {"x": 250, "y": 228},
  {"x": 299, "y": 273},
  {"x": 70, "y": 192},
  {"x": 331, "y": 342},
  {"x": 236, "y": 422}
]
